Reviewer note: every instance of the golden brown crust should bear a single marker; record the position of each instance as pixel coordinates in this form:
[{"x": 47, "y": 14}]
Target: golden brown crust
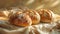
[
  {"x": 4, "y": 15},
  {"x": 20, "y": 19},
  {"x": 46, "y": 15},
  {"x": 28, "y": 16},
  {"x": 4, "y": 18},
  {"x": 35, "y": 17}
]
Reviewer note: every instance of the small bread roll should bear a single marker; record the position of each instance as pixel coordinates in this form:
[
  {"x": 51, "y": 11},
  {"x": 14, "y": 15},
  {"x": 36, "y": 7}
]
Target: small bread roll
[
  {"x": 46, "y": 15},
  {"x": 1, "y": 14},
  {"x": 4, "y": 13},
  {"x": 35, "y": 17},
  {"x": 20, "y": 19},
  {"x": 3, "y": 18}
]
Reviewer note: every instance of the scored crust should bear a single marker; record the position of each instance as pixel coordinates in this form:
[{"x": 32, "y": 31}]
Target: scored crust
[
  {"x": 35, "y": 17},
  {"x": 46, "y": 15},
  {"x": 20, "y": 19}
]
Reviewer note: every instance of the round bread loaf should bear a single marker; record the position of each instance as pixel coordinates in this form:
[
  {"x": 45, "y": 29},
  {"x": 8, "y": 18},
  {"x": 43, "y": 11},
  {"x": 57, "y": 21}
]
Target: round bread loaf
[
  {"x": 20, "y": 19},
  {"x": 35, "y": 17},
  {"x": 46, "y": 15}
]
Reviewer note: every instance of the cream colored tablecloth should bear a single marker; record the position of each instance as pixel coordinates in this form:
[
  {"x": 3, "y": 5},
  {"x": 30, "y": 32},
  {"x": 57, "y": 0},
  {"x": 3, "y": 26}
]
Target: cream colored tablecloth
[{"x": 42, "y": 28}]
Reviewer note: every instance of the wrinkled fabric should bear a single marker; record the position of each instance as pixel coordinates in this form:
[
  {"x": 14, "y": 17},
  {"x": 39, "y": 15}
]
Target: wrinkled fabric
[
  {"x": 54, "y": 5},
  {"x": 42, "y": 28}
]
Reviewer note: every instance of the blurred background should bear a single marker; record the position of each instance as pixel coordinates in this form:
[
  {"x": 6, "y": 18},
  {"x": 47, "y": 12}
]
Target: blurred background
[{"x": 53, "y": 5}]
